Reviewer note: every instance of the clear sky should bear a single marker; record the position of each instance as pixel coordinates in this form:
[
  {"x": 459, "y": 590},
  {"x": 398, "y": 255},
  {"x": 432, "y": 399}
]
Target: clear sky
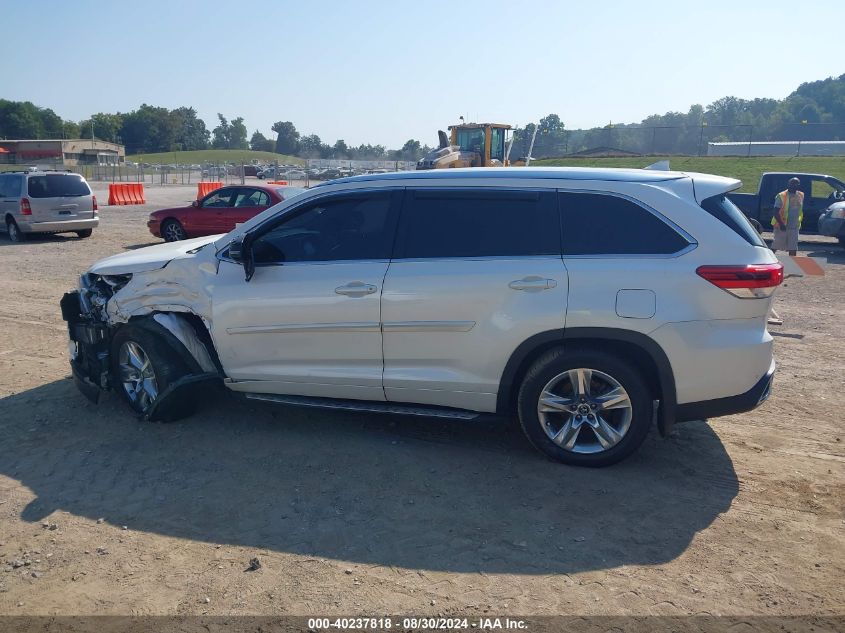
[{"x": 386, "y": 71}]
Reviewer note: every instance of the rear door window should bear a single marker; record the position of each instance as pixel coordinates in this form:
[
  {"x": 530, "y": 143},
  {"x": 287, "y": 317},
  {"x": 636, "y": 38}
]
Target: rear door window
[
  {"x": 252, "y": 198},
  {"x": 478, "y": 223},
  {"x": 602, "y": 224},
  {"x": 57, "y": 186}
]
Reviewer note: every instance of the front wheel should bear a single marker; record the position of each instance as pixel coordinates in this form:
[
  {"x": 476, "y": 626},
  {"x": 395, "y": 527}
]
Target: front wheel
[
  {"x": 172, "y": 231},
  {"x": 584, "y": 408},
  {"x": 143, "y": 366}
]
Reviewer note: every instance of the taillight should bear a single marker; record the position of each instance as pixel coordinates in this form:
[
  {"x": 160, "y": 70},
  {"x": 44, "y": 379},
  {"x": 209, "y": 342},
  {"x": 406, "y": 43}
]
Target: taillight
[
  {"x": 94, "y": 199},
  {"x": 26, "y": 209},
  {"x": 746, "y": 282}
]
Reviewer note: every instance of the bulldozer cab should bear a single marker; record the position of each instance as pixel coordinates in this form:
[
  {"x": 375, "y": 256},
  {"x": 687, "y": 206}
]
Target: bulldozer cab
[{"x": 487, "y": 140}]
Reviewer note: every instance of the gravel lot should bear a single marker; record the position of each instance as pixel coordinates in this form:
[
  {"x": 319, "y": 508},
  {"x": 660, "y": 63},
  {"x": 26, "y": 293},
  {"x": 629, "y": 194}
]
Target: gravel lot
[{"x": 352, "y": 513}]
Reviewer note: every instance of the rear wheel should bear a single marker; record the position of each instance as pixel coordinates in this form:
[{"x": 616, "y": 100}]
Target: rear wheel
[
  {"x": 172, "y": 231},
  {"x": 143, "y": 366},
  {"x": 584, "y": 408},
  {"x": 15, "y": 234},
  {"x": 85, "y": 232}
]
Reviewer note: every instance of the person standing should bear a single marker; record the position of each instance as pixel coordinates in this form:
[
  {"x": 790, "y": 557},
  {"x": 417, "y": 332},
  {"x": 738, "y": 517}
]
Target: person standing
[{"x": 786, "y": 222}]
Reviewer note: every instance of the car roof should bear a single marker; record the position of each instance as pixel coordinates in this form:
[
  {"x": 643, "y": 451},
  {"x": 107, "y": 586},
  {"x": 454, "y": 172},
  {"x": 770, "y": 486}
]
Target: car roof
[{"x": 527, "y": 173}]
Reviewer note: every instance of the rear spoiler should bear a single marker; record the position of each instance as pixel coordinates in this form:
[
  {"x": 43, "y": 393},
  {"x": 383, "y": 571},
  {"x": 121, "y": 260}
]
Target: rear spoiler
[{"x": 707, "y": 185}]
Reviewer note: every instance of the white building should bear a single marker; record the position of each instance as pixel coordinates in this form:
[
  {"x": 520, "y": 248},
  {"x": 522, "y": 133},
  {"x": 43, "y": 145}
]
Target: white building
[{"x": 777, "y": 148}]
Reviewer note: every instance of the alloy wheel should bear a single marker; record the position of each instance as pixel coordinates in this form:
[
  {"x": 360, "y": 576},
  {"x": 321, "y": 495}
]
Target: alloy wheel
[
  {"x": 137, "y": 375},
  {"x": 173, "y": 232},
  {"x": 585, "y": 411}
]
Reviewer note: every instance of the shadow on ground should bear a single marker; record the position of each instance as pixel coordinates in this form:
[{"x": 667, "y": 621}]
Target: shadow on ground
[{"x": 407, "y": 492}]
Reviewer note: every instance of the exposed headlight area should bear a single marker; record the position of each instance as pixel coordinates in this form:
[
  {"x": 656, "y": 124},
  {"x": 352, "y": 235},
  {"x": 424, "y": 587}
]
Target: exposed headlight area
[{"x": 96, "y": 290}]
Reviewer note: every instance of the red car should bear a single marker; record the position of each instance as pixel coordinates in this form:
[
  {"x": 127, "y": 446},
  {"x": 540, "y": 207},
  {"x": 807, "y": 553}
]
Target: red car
[{"x": 218, "y": 212}]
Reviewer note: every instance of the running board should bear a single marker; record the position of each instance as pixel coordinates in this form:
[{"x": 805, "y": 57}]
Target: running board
[{"x": 366, "y": 406}]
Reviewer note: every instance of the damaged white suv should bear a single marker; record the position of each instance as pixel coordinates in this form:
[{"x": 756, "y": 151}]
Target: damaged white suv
[{"x": 588, "y": 302}]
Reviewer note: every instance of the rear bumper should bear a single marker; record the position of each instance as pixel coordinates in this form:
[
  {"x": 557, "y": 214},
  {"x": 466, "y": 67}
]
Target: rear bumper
[
  {"x": 741, "y": 403},
  {"x": 59, "y": 227}
]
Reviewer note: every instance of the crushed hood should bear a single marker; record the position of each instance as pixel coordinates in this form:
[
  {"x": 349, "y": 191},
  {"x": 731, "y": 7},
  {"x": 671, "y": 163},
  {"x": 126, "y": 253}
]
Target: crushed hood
[{"x": 148, "y": 258}]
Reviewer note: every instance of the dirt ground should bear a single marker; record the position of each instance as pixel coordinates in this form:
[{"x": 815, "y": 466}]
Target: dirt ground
[{"x": 364, "y": 514}]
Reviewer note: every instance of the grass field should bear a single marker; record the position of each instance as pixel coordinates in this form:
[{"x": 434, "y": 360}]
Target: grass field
[
  {"x": 198, "y": 157},
  {"x": 748, "y": 170}
]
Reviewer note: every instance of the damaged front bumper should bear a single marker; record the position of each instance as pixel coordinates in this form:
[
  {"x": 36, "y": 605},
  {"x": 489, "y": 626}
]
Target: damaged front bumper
[
  {"x": 90, "y": 362},
  {"x": 89, "y": 348}
]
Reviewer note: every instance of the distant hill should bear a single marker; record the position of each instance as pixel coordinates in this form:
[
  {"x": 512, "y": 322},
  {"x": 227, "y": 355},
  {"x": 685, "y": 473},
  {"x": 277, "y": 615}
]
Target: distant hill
[{"x": 227, "y": 156}]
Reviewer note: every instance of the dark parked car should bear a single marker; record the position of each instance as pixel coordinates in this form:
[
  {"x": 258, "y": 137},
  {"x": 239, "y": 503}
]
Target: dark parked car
[
  {"x": 218, "y": 212},
  {"x": 820, "y": 191}
]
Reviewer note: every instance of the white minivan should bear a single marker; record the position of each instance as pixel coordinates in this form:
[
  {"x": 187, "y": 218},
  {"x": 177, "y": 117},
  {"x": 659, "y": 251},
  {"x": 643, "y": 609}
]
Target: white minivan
[{"x": 589, "y": 303}]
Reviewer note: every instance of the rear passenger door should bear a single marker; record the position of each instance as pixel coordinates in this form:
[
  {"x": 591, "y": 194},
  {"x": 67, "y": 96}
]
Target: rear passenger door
[{"x": 475, "y": 273}]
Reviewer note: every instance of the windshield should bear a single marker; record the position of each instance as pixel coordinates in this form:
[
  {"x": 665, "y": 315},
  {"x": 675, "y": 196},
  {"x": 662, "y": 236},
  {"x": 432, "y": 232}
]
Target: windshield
[
  {"x": 57, "y": 186},
  {"x": 471, "y": 140}
]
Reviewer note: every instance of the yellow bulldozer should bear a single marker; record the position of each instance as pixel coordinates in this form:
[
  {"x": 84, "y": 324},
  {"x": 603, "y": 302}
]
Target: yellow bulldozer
[{"x": 474, "y": 145}]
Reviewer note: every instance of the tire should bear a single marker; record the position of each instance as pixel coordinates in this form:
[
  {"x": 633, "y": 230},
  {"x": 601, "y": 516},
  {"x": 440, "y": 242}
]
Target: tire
[
  {"x": 85, "y": 233},
  {"x": 626, "y": 423},
  {"x": 172, "y": 231},
  {"x": 156, "y": 367},
  {"x": 15, "y": 234}
]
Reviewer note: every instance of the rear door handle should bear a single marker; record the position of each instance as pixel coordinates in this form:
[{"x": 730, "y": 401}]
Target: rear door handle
[
  {"x": 532, "y": 283},
  {"x": 356, "y": 289}
]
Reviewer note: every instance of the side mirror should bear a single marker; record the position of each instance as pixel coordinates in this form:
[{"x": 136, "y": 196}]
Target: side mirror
[
  {"x": 236, "y": 251},
  {"x": 195, "y": 203},
  {"x": 240, "y": 250}
]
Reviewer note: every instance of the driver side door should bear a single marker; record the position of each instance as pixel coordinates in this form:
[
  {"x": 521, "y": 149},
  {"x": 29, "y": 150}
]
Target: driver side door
[
  {"x": 308, "y": 322},
  {"x": 207, "y": 218}
]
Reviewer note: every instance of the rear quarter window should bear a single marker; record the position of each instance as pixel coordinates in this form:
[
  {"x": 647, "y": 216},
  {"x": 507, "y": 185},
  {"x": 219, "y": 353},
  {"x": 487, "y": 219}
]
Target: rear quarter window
[
  {"x": 603, "y": 224},
  {"x": 721, "y": 208},
  {"x": 57, "y": 186}
]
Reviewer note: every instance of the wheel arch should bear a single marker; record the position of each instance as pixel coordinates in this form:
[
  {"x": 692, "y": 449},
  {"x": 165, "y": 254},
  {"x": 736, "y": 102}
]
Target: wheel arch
[
  {"x": 197, "y": 333},
  {"x": 638, "y": 348}
]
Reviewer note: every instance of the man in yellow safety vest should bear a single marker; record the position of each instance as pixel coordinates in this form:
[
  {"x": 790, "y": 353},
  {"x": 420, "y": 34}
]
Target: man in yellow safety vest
[{"x": 786, "y": 222}]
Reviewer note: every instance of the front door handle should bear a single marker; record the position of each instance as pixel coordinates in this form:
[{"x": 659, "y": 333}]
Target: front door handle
[
  {"x": 532, "y": 283},
  {"x": 356, "y": 289}
]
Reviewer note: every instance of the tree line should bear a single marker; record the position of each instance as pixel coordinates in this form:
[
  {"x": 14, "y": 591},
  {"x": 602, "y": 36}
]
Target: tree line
[
  {"x": 814, "y": 111},
  {"x": 151, "y": 129}
]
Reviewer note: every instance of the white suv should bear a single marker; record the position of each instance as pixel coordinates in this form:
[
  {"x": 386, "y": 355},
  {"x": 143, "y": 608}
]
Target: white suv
[{"x": 590, "y": 302}]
